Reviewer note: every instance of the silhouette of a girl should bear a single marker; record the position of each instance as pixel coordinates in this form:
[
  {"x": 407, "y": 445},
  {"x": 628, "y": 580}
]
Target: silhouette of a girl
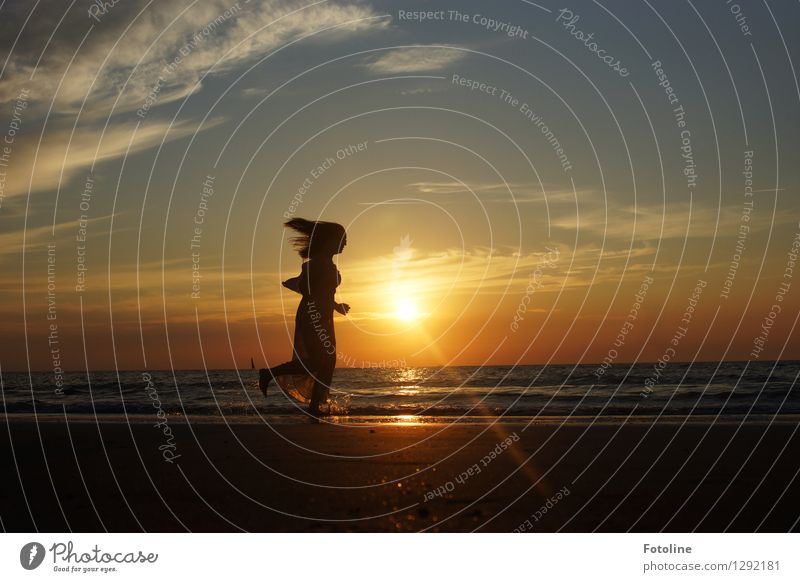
[{"x": 307, "y": 377}]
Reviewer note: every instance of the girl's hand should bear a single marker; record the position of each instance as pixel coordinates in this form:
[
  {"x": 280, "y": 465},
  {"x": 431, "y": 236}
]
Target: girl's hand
[{"x": 342, "y": 308}]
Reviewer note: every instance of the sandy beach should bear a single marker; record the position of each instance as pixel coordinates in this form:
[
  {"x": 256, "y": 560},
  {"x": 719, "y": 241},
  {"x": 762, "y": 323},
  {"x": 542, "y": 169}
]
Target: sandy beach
[{"x": 295, "y": 476}]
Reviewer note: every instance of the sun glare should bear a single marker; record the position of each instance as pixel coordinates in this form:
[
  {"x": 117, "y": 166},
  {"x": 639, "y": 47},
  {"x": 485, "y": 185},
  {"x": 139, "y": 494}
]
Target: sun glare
[{"x": 407, "y": 310}]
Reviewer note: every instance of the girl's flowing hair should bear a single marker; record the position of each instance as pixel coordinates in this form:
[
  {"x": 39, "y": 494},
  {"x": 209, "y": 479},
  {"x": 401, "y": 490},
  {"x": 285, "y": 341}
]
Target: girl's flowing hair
[{"x": 314, "y": 236}]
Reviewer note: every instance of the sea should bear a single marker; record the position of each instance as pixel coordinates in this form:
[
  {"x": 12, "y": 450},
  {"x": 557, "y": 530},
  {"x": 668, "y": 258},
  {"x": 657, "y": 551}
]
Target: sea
[{"x": 642, "y": 390}]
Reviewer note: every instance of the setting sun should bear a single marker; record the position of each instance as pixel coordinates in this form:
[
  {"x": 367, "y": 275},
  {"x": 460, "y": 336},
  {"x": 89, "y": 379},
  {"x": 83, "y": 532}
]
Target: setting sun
[{"x": 407, "y": 310}]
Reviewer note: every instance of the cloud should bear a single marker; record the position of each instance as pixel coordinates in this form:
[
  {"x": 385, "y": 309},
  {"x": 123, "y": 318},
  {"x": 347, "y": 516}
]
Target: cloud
[
  {"x": 252, "y": 92},
  {"x": 68, "y": 64},
  {"x": 416, "y": 91},
  {"x": 62, "y": 155},
  {"x": 653, "y": 221},
  {"x": 454, "y": 187},
  {"x": 523, "y": 192},
  {"x": 415, "y": 60},
  {"x": 129, "y": 51},
  {"x": 613, "y": 216},
  {"x": 37, "y": 237}
]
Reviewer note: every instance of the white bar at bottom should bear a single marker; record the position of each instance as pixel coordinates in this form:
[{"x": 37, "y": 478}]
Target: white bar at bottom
[{"x": 402, "y": 557}]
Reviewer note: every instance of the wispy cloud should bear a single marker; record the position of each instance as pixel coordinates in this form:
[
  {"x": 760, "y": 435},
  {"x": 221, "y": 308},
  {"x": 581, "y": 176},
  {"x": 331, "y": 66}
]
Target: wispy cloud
[
  {"x": 415, "y": 60},
  {"x": 123, "y": 56},
  {"x": 138, "y": 53},
  {"x": 37, "y": 237},
  {"x": 612, "y": 216},
  {"x": 63, "y": 155},
  {"x": 500, "y": 191},
  {"x": 252, "y": 92},
  {"x": 654, "y": 221},
  {"x": 417, "y": 91}
]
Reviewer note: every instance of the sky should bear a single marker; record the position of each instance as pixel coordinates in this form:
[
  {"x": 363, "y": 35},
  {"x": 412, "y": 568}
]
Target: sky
[{"x": 521, "y": 183}]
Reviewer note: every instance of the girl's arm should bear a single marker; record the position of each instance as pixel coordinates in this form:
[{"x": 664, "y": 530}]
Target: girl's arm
[{"x": 293, "y": 284}]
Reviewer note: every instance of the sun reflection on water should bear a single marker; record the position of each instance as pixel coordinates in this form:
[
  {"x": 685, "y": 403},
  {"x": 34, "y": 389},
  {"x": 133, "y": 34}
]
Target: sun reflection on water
[{"x": 405, "y": 420}]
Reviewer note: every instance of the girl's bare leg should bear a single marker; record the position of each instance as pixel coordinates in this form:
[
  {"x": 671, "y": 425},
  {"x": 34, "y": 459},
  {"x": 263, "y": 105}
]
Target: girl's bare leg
[{"x": 319, "y": 395}]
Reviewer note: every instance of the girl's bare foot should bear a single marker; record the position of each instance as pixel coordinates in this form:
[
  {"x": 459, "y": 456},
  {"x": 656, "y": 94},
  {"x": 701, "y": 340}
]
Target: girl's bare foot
[{"x": 316, "y": 412}]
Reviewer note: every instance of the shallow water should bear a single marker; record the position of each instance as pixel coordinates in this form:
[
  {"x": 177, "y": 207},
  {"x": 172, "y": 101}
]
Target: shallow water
[{"x": 728, "y": 389}]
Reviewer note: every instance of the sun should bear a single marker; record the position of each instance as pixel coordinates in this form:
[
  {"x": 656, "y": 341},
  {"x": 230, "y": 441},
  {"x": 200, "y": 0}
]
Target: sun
[{"x": 407, "y": 310}]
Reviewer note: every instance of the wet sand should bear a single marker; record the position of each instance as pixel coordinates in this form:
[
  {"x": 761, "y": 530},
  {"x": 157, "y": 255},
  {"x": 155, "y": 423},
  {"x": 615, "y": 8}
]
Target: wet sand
[{"x": 296, "y": 476}]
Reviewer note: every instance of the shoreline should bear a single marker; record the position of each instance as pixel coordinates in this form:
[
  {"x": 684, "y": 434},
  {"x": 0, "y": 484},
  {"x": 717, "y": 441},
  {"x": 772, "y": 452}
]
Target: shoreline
[
  {"x": 406, "y": 420},
  {"x": 248, "y": 370}
]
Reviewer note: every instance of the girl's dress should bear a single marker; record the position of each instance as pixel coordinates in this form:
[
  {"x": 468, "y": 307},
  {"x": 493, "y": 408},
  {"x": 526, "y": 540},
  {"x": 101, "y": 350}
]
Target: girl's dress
[{"x": 310, "y": 371}]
